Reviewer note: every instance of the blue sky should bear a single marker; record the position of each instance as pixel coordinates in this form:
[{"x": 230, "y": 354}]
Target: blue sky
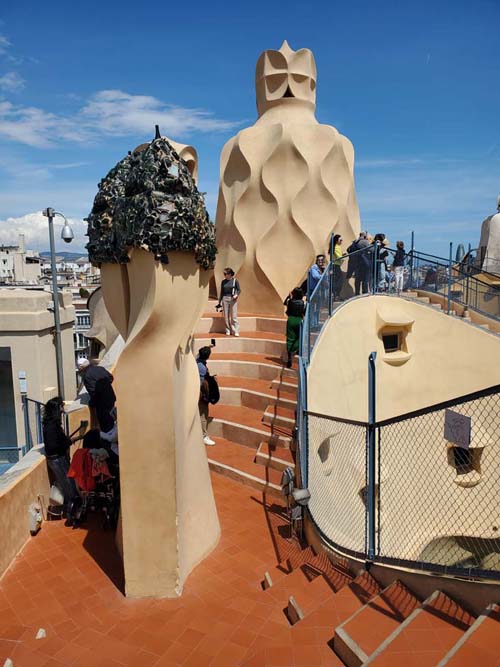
[{"x": 415, "y": 86}]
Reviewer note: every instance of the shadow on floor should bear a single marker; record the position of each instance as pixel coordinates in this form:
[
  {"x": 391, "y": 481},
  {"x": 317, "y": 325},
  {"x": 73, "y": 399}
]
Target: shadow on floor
[{"x": 101, "y": 546}]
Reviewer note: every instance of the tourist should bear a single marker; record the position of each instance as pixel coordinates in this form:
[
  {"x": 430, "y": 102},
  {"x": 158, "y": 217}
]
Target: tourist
[
  {"x": 390, "y": 279},
  {"x": 56, "y": 445},
  {"x": 361, "y": 260},
  {"x": 98, "y": 382},
  {"x": 398, "y": 265},
  {"x": 313, "y": 277},
  {"x": 338, "y": 276},
  {"x": 204, "y": 397},
  {"x": 380, "y": 247},
  {"x": 315, "y": 273},
  {"x": 228, "y": 299},
  {"x": 295, "y": 309}
]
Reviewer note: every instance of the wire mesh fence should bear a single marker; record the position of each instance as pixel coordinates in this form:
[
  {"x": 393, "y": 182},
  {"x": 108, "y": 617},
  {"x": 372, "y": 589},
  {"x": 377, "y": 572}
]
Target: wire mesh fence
[
  {"x": 436, "y": 489},
  {"x": 337, "y": 481}
]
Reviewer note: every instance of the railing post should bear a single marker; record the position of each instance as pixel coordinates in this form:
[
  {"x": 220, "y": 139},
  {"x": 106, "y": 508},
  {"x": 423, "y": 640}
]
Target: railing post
[
  {"x": 450, "y": 263},
  {"x": 330, "y": 277},
  {"x": 412, "y": 248},
  {"x": 39, "y": 427},
  {"x": 27, "y": 431},
  {"x": 467, "y": 278},
  {"x": 371, "y": 454},
  {"x": 374, "y": 267}
]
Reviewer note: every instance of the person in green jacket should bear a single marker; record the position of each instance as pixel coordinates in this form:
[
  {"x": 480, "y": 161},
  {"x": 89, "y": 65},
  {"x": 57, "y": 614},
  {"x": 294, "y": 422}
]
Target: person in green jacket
[{"x": 295, "y": 309}]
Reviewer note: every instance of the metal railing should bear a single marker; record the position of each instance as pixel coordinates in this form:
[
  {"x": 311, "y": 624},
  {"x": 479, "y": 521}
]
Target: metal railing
[
  {"x": 434, "y": 502},
  {"x": 32, "y": 432},
  {"x": 455, "y": 282},
  {"x": 398, "y": 491}
]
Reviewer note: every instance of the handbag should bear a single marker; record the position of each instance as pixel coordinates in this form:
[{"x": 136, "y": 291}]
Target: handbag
[
  {"x": 55, "y": 495},
  {"x": 213, "y": 390}
]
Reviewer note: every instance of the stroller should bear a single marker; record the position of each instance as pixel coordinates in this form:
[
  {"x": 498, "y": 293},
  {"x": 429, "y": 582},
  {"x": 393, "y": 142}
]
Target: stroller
[{"x": 95, "y": 470}]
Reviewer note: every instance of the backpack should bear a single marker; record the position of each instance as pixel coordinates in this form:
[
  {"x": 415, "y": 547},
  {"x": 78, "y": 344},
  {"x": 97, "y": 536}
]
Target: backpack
[{"x": 213, "y": 389}]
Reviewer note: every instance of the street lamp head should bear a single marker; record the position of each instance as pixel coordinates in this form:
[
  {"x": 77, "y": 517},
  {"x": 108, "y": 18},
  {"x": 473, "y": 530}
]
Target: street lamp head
[{"x": 67, "y": 234}]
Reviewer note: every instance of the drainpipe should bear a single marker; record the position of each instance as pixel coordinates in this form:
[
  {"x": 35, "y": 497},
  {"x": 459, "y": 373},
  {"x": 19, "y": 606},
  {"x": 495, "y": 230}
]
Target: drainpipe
[{"x": 371, "y": 453}]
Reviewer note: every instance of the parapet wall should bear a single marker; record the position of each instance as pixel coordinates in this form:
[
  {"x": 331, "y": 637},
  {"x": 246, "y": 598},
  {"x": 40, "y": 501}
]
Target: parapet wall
[{"x": 19, "y": 487}]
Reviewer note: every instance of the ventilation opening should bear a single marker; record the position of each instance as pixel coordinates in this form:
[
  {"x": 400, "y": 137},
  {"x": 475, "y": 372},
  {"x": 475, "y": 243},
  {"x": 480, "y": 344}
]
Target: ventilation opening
[
  {"x": 462, "y": 460},
  {"x": 465, "y": 461},
  {"x": 391, "y": 342},
  {"x": 288, "y": 92}
]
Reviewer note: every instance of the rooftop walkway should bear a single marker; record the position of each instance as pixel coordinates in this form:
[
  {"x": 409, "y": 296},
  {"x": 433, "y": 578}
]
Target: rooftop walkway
[
  {"x": 70, "y": 583},
  {"x": 260, "y": 599}
]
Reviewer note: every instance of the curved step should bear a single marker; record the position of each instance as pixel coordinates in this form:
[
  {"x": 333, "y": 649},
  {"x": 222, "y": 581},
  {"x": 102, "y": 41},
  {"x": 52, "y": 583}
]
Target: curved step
[
  {"x": 315, "y": 630},
  {"x": 279, "y": 416},
  {"x": 273, "y": 457},
  {"x": 480, "y": 645},
  {"x": 214, "y": 323},
  {"x": 262, "y": 366},
  {"x": 253, "y": 393},
  {"x": 362, "y": 633},
  {"x": 244, "y": 426},
  {"x": 438, "y": 624},
  {"x": 238, "y": 462},
  {"x": 247, "y": 342}
]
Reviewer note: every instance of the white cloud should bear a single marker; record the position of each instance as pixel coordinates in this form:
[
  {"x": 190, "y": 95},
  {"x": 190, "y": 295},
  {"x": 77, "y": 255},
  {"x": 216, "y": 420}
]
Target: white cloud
[
  {"x": 4, "y": 44},
  {"x": 11, "y": 82},
  {"x": 28, "y": 125},
  {"x": 388, "y": 162},
  {"x": 34, "y": 226},
  {"x": 118, "y": 113},
  {"x": 107, "y": 113}
]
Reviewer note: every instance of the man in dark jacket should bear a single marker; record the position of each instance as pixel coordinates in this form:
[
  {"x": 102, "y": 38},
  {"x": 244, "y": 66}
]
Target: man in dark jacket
[
  {"x": 98, "y": 382},
  {"x": 360, "y": 263}
]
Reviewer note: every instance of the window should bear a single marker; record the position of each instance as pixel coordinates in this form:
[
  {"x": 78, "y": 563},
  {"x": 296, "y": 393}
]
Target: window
[
  {"x": 391, "y": 342},
  {"x": 462, "y": 460},
  {"x": 467, "y": 464}
]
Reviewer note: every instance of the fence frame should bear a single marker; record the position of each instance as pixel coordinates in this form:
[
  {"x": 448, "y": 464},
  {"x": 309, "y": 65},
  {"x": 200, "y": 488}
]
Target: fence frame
[{"x": 373, "y": 523}]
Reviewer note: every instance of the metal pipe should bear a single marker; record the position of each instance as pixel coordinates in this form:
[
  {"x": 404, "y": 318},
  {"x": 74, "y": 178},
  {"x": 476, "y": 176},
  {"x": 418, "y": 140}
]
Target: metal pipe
[
  {"x": 27, "y": 429},
  {"x": 412, "y": 248},
  {"x": 55, "y": 297},
  {"x": 371, "y": 456},
  {"x": 374, "y": 267},
  {"x": 450, "y": 263},
  {"x": 467, "y": 278}
]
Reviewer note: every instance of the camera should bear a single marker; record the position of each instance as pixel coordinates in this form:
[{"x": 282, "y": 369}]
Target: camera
[{"x": 218, "y": 307}]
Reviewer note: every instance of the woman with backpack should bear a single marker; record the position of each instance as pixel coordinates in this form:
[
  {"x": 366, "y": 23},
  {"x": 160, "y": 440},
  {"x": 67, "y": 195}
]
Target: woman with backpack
[
  {"x": 228, "y": 299},
  {"x": 295, "y": 309}
]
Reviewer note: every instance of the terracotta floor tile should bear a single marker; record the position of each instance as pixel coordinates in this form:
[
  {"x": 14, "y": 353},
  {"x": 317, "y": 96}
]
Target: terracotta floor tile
[
  {"x": 223, "y": 617},
  {"x": 176, "y": 654}
]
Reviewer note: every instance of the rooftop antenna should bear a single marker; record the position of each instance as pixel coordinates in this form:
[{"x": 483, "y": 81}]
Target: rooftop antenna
[{"x": 157, "y": 132}]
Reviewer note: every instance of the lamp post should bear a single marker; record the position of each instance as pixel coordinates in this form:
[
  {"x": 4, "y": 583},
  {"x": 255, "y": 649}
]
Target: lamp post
[{"x": 67, "y": 236}]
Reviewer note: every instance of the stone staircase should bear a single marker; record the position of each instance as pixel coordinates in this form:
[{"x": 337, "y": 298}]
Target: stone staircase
[
  {"x": 440, "y": 303},
  {"x": 318, "y": 612},
  {"x": 322, "y": 615},
  {"x": 253, "y": 422}
]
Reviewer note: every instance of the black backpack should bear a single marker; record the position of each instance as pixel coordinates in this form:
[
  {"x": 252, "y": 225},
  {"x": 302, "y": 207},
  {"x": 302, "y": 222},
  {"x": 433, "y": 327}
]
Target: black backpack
[{"x": 213, "y": 389}]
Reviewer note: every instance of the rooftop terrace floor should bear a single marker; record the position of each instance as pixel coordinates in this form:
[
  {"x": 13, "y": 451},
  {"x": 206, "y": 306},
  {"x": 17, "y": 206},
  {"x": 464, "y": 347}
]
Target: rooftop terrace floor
[{"x": 70, "y": 582}]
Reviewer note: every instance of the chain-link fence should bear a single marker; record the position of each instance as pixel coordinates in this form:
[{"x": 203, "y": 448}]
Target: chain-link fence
[
  {"x": 337, "y": 481},
  {"x": 436, "y": 486}
]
